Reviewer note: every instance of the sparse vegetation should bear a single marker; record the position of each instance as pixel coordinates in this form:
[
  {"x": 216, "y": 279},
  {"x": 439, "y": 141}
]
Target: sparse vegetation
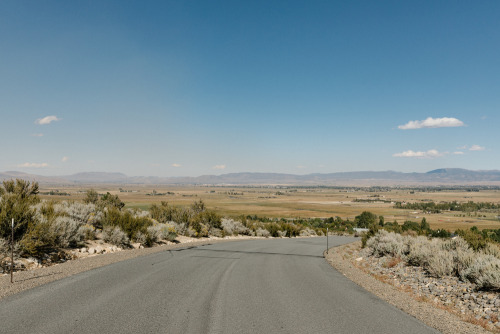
[{"x": 441, "y": 257}]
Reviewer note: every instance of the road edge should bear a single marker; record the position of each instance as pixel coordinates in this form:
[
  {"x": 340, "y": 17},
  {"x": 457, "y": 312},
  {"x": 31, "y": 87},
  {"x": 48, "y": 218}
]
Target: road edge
[{"x": 432, "y": 316}]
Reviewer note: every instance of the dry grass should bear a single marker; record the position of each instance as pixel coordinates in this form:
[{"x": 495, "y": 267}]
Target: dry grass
[
  {"x": 299, "y": 202},
  {"x": 393, "y": 262}
]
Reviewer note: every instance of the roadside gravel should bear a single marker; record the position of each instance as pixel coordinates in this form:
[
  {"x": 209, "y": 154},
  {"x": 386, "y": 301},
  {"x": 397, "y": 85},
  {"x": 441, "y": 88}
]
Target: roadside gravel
[
  {"x": 28, "y": 279},
  {"x": 437, "y": 318}
]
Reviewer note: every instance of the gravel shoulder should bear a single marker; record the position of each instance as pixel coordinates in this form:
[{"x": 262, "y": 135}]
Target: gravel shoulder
[{"x": 434, "y": 317}]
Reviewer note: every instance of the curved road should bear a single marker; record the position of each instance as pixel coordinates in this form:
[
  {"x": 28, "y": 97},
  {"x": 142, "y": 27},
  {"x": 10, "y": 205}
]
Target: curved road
[{"x": 255, "y": 286}]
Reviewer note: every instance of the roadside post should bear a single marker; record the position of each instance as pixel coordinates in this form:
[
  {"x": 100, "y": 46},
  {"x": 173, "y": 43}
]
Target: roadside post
[
  {"x": 12, "y": 254},
  {"x": 327, "y": 240}
]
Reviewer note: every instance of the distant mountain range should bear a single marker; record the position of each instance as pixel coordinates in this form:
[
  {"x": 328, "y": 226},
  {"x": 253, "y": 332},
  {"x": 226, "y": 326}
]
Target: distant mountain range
[{"x": 444, "y": 176}]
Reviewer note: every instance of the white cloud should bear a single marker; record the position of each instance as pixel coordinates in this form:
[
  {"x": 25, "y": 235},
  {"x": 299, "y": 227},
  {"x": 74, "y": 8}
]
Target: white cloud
[
  {"x": 47, "y": 120},
  {"x": 64, "y": 159},
  {"x": 37, "y": 135},
  {"x": 33, "y": 165},
  {"x": 430, "y": 154},
  {"x": 176, "y": 165},
  {"x": 429, "y": 122},
  {"x": 219, "y": 167},
  {"x": 476, "y": 148},
  {"x": 458, "y": 153}
]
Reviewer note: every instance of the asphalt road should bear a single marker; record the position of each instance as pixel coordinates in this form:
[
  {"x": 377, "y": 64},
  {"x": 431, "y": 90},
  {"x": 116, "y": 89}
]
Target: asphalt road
[{"x": 255, "y": 286}]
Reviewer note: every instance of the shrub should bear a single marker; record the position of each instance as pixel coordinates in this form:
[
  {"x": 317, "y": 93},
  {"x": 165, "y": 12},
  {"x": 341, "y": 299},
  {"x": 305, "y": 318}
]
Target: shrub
[
  {"x": 16, "y": 199},
  {"x": 86, "y": 213},
  {"x": 232, "y": 227},
  {"x": 260, "y": 232},
  {"x": 365, "y": 219},
  {"x": 158, "y": 232},
  {"x": 216, "y": 232},
  {"x": 66, "y": 232},
  {"x": 440, "y": 263},
  {"x": 387, "y": 243},
  {"x": 38, "y": 239},
  {"x": 473, "y": 238},
  {"x": 419, "y": 251},
  {"x": 282, "y": 234},
  {"x": 114, "y": 235},
  {"x": 126, "y": 221},
  {"x": 492, "y": 249},
  {"x": 305, "y": 232},
  {"x": 485, "y": 272},
  {"x": 88, "y": 231}
]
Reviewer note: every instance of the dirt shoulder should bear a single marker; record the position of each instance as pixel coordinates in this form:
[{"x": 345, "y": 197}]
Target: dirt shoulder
[{"x": 440, "y": 319}]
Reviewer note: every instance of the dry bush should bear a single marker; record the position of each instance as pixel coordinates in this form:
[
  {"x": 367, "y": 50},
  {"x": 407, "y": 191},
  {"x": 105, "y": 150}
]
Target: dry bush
[
  {"x": 67, "y": 232},
  {"x": 114, "y": 235},
  {"x": 463, "y": 258},
  {"x": 282, "y": 234},
  {"x": 216, "y": 232},
  {"x": 307, "y": 232},
  {"x": 485, "y": 272},
  {"x": 492, "y": 249},
  {"x": 86, "y": 213},
  {"x": 260, "y": 232},
  {"x": 158, "y": 232},
  {"x": 440, "y": 263},
  {"x": 387, "y": 243},
  {"x": 189, "y": 232},
  {"x": 88, "y": 231},
  {"x": 420, "y": 249},
  {"x": 142, "y": 238},
  {"x": 232, "y": 227}
]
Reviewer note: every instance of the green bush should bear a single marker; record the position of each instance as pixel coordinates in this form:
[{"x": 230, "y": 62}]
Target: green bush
[
  {"x": 473, "y": 238},
  {"x": 16, "y": 201},
  {"x": 126, "y": 221}
]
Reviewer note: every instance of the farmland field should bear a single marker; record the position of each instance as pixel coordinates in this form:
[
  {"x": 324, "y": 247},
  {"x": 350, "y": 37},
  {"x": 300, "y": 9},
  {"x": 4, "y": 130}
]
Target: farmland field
[{"x": 303, "y": 202}]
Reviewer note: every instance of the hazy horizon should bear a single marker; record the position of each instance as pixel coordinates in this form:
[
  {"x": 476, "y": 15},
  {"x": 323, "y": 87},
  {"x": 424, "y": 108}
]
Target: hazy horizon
[{"x": 177, "y": 88}]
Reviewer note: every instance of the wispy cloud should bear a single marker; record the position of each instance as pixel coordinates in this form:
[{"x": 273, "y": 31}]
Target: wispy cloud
[
  {"x": 33, "y": 165},
  {"x": 429, "y": 122},
  {"x": 458, "y": 153},
  {"x": 64, "y": 159},
  {"x": 176, "y": 165},
  {"x": 430, "y": 154},
  {"x": 47, "y": 120},
  {"x": 37, "y": 135},
  {"x": 476, "y": 148},
  {"x": 219, "y": 167},
  {"x": 301, "y": 167}
]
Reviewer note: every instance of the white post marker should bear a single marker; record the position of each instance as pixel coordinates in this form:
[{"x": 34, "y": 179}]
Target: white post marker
[
  {"x": 327, "y": 240},
  {"x": 12, "y": 255}
]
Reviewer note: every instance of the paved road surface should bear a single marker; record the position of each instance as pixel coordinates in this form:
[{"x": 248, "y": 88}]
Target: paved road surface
[{"x": 255, "y": 286}]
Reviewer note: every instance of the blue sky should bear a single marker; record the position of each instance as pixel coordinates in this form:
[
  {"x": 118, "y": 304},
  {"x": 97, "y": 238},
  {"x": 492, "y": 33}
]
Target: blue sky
[{"x": 185, "y": 88}]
